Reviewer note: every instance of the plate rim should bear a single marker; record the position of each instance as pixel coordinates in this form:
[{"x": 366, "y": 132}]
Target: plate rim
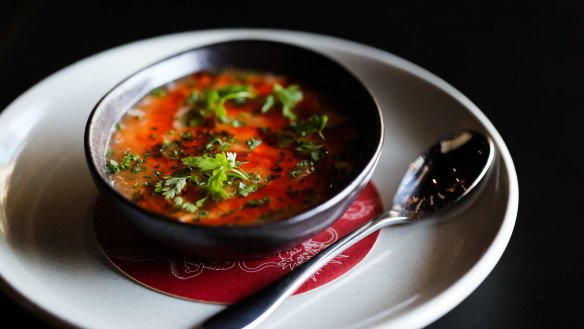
[{"x": 420, "y": 316}]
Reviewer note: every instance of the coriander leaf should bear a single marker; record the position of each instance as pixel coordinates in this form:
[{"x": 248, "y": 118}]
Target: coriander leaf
[
  {"x": 204, "y": 163},
  {"x": 304, "y": 166},
  {"x": 253, "y": 177},
  {"x": 216, "y": 99},
  {"x": 180, "y": 203},
  {"x": 256, "y": 203},
  {"x": 314, "y": 124},
  {"x": 187, "y": 136},
  {"x": 193, "y": 97},
  {"x": 113, "y": 166},
  {"x": 171, "y": 187},
  {"x": 288, "y": 97},
  {"x": 232, "y": 89},
  {"x": 158, "y": 92},
  {"x": 136, "y": 169},
  {"x": 307, "y": 146},
  {"x": 193, "y": 118},
  {"x": 212, "y": 98},
  {"x": 295, "y": 172},
  {"x": 216, "y": 140},
  {"x": 221, "y": 170},
  {"x": 268, "y": 103},
  {"x": 216, "y": 183},
  {"x": 127, "y": 160},
  {"x": 239, "y": 94},
  {"x": 220, "y": 111},
  {"x": 172, "y": 150},
  {"x": 213, "y": 102},
  {"x": 200, "y": 202},
  {"x": 304, "y": 163},
  {"x": 245, "y": 190},
  {"x": 317, "y": 155},
  {"x": 253, "y": 143}
]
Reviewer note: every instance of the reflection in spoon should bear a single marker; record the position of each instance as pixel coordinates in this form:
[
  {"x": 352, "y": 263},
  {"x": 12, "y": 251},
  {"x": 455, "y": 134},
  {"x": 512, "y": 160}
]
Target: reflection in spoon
[{"x": 440, "y": 177}]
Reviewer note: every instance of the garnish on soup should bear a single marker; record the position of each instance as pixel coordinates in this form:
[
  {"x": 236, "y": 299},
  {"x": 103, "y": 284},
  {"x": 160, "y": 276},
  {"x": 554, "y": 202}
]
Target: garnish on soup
[{"x": 230, "y": 148}]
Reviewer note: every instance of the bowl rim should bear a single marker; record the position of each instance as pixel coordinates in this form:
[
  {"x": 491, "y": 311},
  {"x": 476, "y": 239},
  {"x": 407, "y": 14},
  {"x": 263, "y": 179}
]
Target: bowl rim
[{"x": 362, "y": 175}]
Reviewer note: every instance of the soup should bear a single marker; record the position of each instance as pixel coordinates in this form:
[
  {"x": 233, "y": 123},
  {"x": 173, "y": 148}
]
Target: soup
[{"x": 231, "y": 148}]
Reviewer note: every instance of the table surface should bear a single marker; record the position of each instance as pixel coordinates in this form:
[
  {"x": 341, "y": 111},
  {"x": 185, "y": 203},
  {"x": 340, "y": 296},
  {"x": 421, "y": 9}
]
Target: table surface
[{"x": 520, "y": 63}]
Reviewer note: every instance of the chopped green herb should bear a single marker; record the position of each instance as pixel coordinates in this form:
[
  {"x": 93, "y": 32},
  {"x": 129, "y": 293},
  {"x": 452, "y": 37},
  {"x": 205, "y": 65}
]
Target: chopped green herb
[
  {"x": 187, "y": 136},
  {"x": 221, "y": 168},
  {"x": 256, "y": 203},
  {"x": 304, "y": 163},
  {"x": 137, "y": 169},
  {"x": 215, "y": 99},
  {"x": 127, "y": 160},
  {"x": 253, "y": 143},
  {"x": 307, "y": 146},
  {"x": 171, "y": 187},
  {"x": 158, "y": 92},
  {"x": 172, "y": 150},
  {"x": 317, "y": 155},
  {"x": 245, "y": 190},
  {"x": 193, "y": 97},
  {"x": 294, "y": 172},
  {"x": 216, "y": 140},
  {"x": 288, "y": 97},
  {"x": 269, "y": 102},
  {"x": 314, "y": 124},
  {"x": 232, "y": 90},
  {"x": 316, "y": 150},
  {"x": 180, "y": 203},
  {"x": 193, "y": 118},
  {"x": 113, "y": 166},
  {"x": 253, "y": 177}
]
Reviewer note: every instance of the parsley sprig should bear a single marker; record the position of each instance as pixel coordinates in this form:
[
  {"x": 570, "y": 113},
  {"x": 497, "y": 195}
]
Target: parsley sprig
[
  {"x": 213, "y": 102},
  {"x": 171, "y": 186},
  {"x": 210, "y": 173},
  {"x": 298, "y": 135},
  {"x": 219, "y": 169},
  {"x": 314, "y": 124}
]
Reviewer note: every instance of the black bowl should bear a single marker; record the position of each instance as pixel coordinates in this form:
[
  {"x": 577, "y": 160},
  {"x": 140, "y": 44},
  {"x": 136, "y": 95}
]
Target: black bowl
[{"x": 237, "y": 242}]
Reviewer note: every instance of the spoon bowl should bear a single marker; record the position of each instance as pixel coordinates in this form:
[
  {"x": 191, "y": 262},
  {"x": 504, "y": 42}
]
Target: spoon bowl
[{"x": 441, "y": 177}]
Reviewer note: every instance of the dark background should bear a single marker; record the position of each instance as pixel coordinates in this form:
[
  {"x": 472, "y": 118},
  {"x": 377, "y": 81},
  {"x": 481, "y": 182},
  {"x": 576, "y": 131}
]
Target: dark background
[{"x": 520, "y": 62}]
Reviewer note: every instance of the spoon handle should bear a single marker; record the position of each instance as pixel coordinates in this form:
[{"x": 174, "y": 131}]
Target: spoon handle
[{"x": 252, "y": 310}]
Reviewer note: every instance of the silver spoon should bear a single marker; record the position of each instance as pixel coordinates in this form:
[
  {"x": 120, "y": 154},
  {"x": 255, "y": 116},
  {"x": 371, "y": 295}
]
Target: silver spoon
[{"x": 440, "y": 177}]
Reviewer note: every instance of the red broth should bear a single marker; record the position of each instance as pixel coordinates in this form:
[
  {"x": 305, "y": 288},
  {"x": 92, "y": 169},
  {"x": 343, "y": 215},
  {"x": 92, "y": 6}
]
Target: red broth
[{"x": 230, "y": 148}]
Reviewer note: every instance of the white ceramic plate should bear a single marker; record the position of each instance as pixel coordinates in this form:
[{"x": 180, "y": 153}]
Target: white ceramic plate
[{"x": 413, "y": 275}]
